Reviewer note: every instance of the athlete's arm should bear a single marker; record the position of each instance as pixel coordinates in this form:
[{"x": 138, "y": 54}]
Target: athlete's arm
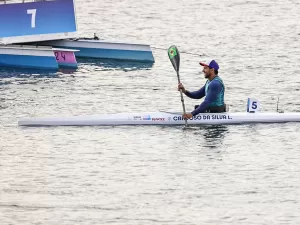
[{"x": 196, "y": 94}]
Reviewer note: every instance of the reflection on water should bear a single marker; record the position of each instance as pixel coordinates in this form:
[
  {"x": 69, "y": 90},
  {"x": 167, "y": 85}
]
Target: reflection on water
[
  {"x": 26, "y": 73},
  {"x": 96, "y": 64},
  {"x": 114, "y": 64},
  {"x": 213, "y": 134}
]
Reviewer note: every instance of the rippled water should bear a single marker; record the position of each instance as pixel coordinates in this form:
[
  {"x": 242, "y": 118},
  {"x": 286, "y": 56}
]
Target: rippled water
[{"x": 245, "y": 174}]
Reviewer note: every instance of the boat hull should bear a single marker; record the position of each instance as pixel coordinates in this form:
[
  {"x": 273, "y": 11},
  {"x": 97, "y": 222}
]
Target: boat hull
[
  {"x": 28, "y": 57},
  {"x": 162, "y": 118},
  {"x": 98, "y": 49}
]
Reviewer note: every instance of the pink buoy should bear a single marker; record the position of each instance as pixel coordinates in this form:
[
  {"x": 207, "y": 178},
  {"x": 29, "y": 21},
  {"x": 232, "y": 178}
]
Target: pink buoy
[{"x": 66, "y": 58}]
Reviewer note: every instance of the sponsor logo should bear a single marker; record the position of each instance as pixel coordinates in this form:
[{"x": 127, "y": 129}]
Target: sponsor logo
[
  {"x": 137, "y": 118},
  {"x": 147, "y": 117},
  {"x": 158, "y": 119}
]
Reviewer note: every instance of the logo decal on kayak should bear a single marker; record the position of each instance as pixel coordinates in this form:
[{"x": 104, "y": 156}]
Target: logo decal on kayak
[
  {"x": 137, "y": 118},
  {"x": 158, "y": 119},
  {"x": 147, "y": 117}
]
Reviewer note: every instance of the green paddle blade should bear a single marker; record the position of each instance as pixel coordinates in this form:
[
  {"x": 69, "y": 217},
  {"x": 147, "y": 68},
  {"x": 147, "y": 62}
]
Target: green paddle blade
[{"x": 174, "y": 57}]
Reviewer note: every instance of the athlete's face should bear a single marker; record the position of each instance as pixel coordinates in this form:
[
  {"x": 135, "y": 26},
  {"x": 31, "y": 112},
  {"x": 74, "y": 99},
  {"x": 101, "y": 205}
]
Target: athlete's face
[{"x": 207, "y": 71}]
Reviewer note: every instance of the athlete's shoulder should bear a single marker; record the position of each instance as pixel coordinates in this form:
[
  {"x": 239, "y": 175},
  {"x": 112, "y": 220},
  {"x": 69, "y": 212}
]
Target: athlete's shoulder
[
  {"x": 216, "y": 81},
  {"x": 218, "y": 78}
]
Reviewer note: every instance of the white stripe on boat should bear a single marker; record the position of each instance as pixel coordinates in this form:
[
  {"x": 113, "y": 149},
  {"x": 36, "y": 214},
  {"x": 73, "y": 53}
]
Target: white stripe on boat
[{"x": 98, "y": 44}]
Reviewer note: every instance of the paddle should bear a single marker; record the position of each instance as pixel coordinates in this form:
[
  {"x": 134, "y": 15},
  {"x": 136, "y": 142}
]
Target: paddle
[{"x": 174, "y": 57}]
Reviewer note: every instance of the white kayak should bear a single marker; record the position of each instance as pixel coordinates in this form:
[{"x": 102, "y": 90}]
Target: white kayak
[{"x": 162, "y": 118}]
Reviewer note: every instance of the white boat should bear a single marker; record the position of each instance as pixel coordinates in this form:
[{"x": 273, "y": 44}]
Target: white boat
[
  {"x": 162, "y": 118},
  {"x": 168, "y": 118}
]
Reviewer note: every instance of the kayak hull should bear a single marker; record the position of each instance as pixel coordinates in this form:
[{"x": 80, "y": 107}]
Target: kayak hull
[{"x": 162, "y": 118}]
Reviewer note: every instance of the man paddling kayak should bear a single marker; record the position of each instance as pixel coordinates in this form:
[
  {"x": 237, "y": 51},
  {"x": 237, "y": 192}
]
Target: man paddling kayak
[{"x": 213, "y": 90}]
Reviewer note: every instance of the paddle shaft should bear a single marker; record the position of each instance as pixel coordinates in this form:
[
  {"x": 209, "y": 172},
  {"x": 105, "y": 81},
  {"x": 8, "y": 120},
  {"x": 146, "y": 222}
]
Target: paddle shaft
[{"x": 181, "y": 95}]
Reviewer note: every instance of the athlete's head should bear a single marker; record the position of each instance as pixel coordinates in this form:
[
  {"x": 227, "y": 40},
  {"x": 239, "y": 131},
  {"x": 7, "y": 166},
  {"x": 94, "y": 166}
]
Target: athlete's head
[{"x": 210, "y": 68}]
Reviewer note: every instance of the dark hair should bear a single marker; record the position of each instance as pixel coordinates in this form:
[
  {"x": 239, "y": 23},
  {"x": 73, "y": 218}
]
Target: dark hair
[{"x": 216, "y": 71}]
